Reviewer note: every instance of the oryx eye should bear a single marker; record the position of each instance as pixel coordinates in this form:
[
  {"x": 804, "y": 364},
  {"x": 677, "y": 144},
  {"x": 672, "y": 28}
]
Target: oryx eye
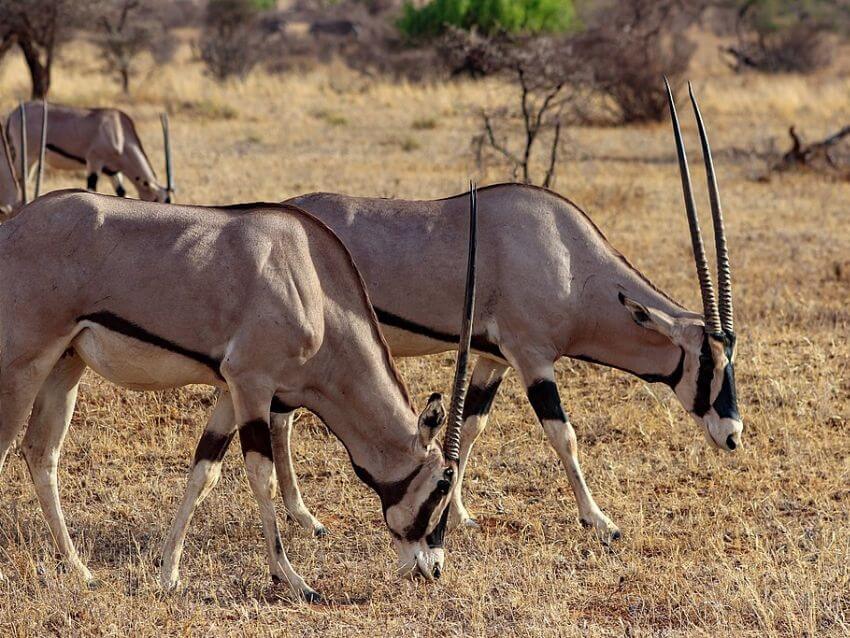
[
  {"x": 444, "y": 486},
  {"x": 448, "y": 473}
]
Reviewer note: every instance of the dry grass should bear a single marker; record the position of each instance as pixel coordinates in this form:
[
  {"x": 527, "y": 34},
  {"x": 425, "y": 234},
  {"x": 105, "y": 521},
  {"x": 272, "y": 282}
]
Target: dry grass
[{"x": 754, "y": 543}]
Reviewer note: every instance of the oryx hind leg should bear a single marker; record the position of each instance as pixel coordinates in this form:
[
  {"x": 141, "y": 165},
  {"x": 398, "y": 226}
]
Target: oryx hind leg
[
  {"x": 486, "y": 379},
  {"x": 51, "y": 416},
  {"x": 281, "y": 429},
  {"x": 251, "y": 403},
  {"x": 543, "y": 395},
  {"x": 205, "y": 472}
]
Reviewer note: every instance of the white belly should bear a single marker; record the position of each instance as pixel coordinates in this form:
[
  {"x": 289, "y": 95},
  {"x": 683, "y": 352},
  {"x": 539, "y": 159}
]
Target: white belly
[{"x": 138, "y": 365}]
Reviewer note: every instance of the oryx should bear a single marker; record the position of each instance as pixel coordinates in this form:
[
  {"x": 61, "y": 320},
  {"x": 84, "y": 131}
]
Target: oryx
[
  {"x": 261, "y": 301},
  {"x": 103, "y": 140},
  {"x": 550, "y": 286}
]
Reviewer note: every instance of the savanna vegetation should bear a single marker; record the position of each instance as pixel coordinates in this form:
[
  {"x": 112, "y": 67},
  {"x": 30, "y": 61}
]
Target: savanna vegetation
[{"x": 337, "y": 97}]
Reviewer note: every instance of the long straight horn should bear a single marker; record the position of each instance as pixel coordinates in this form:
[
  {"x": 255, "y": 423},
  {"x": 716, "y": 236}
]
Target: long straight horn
[
  {"x": 724, "y": 271},
  {"x": 166, "y": 139},
  {"x": 709, "y": 303},
  {"x": 451, "y": 449},
  {"x": 23, "y": 113},
  {"x": 40, "y": 173}
]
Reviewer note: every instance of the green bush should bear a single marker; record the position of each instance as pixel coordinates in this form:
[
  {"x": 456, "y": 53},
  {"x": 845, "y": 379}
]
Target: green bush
[{"x": 487, "y": 16}]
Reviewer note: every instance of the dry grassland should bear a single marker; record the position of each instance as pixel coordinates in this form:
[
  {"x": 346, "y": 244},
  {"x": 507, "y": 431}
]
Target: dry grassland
[{"x": 752, "y": 544}]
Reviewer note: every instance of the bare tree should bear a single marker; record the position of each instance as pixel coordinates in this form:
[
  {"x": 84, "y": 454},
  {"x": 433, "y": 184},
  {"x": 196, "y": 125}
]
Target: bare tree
[
  {"x": 127, "y": 29},
  {"x": 234, "y": 39},
  {"x": 39, "y": 28},
  {"x": 547, "y": 85},
  {"x": 818, "y": 155}
]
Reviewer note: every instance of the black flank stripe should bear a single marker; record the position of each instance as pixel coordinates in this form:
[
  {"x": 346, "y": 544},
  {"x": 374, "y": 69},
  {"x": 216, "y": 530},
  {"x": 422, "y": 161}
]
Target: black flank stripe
[
  {"x": 543, "y": 396},
  {"x": 479, "y": 342},
  {"x": 134, "y": 331},
  {"x": 212, "y": 446},
  {"x": 63, "y": 153},
  {"x": 255, "y": 436}
]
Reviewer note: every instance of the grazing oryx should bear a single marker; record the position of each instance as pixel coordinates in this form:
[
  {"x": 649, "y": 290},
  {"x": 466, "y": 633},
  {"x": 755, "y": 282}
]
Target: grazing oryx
[
  {"x": 259, "y": 300},
  {"x": 103, "y": 140},
  {"x": 550, "y": 286}
]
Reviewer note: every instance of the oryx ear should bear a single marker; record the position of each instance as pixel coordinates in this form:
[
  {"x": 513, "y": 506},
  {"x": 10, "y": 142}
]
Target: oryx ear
[
  {"x": 649, "y": 318},
  {"x": 432, "y": 417}
]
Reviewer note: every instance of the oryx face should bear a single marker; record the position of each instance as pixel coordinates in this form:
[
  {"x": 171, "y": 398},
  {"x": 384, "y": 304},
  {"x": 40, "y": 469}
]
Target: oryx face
[
  {"x": 415, "y": 512},
  {"x": 704, "y": 380},
  {"x": 150, "y": 191}
]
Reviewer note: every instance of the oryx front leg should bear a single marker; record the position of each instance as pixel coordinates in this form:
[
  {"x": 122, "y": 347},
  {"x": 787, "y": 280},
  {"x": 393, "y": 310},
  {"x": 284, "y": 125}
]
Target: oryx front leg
[
  {"x": 205, "y": 472},
  {"x": 118, "y": 184},
  {"x": 251, "y": 404},
  {"x": 543, "y": 395},
  {"x": 486, "y": 379},
  {"x": 288, "y": 481},
  {"x": 51, "y": 416}
]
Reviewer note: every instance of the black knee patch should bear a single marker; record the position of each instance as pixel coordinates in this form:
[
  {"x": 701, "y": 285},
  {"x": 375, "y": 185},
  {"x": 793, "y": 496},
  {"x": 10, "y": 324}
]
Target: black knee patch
[
  {"x": 543, "y": 395},
  {"x": 255, "y": 436},
  {"x": 479, "y": 399},
  {"x": 120, "y": 191},
  {"x": 212, "y": 447},
  {"x": 91, "y": 182}
]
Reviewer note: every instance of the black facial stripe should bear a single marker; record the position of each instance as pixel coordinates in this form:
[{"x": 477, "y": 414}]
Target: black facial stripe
[
  {"x": 435, "y": 539},
  {"x": 543, "y": 395},
  {"x": 130, "y": 329},
  {"x": 389, "y": 493},
  {"x": 479, "y": 400},
  {"x": 255, "y": 436},
  {"x": 91, "y": 181},
  {"x": 212, "y": 446},
  {"x": 419, "y": 526},
  {"x": 702, "y": 398},
  {"x": 479, "y": 342},
  {"x": 726, "y": 403}
]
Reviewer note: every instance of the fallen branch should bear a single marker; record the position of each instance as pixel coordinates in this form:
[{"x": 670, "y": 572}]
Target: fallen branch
[{"x": 806, "y": 154}]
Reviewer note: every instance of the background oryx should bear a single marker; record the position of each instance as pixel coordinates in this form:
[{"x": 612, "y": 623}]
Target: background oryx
[
  {"x": 13, "y": 191},
  {"x": 550, "y": 286},
  {"x": 101, "y": 140},
  {"x": 261, "y": 301}
]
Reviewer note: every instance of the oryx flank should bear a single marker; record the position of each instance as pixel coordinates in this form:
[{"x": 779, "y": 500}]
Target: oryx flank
[
  {"x": 101, "y": 140},
  {"x": 550, "y": 286},
  {"x": 261, "y": 301}
]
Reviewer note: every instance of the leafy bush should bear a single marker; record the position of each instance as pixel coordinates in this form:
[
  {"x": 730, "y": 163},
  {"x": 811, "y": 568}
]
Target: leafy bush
[{"x": 487, "y": 16}]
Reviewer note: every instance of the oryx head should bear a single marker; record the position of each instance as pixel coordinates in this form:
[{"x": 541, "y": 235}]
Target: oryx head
[
  {"x": 418, "y": 513},
  {"x": 704, "y": 380}
]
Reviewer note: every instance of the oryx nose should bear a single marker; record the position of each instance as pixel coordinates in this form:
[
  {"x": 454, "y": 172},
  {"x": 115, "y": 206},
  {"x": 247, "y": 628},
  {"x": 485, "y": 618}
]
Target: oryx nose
[{"x": 731, "y": 443}]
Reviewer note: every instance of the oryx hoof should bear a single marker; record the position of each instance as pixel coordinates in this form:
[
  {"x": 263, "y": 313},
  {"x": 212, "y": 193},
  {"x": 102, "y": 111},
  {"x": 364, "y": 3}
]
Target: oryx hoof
[
  {"x": 470, "y": 523},
  {"x": 312, "y": 597},
  {"x": 320, "y": 532},
  {"x": 603, "y": 528},
  {"x": 93, "y": 584}
]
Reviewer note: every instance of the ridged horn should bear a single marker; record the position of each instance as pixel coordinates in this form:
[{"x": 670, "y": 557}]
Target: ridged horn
[
  {"x": 23, "y": 176},
  {"x": 40, "y": 174},
  {"x": 724, "y": 270},
  {"x": 709, "y": 302},
  {"x": 166, "y": 140},
  {"x": 451, "y": 448}
]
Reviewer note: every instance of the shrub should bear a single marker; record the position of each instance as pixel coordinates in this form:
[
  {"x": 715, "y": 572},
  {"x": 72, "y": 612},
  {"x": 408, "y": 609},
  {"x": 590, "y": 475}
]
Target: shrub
[{"x": 487, "y": 16}]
